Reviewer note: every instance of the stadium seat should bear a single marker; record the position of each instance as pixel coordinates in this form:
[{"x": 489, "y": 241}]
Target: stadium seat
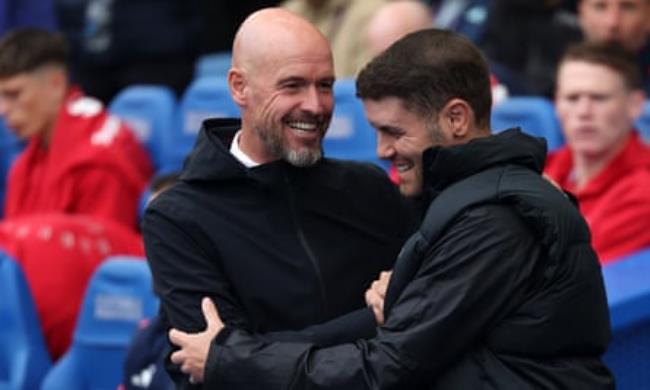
[
  {"x": 150, "y": 111},
  {"x": 643, "y": 123},
  {"x": 207, "y": 97},
  {"x": 10, "y": 147},
  {"x": 350, "y": 136},
  {"x": 24, "y": 359},
  {"x": 534, "y": 114},
  {"x": 627, "y": 282},
  {"x": 213, "y": 65},
  {"x": 118, "y": 297}
]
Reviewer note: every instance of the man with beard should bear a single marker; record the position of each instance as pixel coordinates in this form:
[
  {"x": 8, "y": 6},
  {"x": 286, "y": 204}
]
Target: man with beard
[
  {"x": 498, "y": 289},
  {"x": 280, "y": 237}
]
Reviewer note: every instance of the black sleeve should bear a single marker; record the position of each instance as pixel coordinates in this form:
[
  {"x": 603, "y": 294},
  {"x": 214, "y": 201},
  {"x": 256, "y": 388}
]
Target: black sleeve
[
  {"x": 475, "y": 274},
  {"x": 184, "y": 272}
]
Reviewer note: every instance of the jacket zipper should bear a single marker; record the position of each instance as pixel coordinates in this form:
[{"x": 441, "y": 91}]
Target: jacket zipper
[{"x": 303, "y": 241}]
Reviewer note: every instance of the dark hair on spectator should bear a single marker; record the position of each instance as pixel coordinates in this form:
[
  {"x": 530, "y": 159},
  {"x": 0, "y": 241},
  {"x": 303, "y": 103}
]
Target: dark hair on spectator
[
  {"x": 27, "y": 49},
  {"x": 428, "y": 68},
  {"x": 611, "y": 55}
]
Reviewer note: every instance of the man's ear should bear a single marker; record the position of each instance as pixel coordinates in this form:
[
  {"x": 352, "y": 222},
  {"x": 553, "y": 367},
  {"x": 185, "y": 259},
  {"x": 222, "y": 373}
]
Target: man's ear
[
  {"x": 457, "y": 118},
  {"x": 237, "y": 84}
]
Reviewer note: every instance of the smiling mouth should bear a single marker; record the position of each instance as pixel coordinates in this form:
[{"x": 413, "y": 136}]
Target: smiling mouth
[
  {"x": 307, "y": 127},
  {"x": 403, "y": 166}
]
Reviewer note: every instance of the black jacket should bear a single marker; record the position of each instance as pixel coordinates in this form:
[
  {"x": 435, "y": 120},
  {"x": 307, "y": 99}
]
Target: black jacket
[
  {"x": 277, "y": 247},
  {"x": 498, "y": 289}
]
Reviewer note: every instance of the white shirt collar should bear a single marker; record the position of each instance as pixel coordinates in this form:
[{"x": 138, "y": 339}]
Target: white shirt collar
[{"x": 239, "y": 154}]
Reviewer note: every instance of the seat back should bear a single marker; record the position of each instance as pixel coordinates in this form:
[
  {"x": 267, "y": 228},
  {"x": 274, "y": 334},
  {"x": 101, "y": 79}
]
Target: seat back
[
  {"x": 150, "y": 111},
  {"x": 206, "y": 97},
  {"x": 643, "y": 123},
  {"x": 10, "y": 147},
  {"x": 534, "y": 114},
  {"x": 213, "y": 65},
  {"x": 627, "y": 282},
  {"x": 24, "y": 359},
  {"x": 350, "y": 135},
  {"x": 118, "y": 297}
]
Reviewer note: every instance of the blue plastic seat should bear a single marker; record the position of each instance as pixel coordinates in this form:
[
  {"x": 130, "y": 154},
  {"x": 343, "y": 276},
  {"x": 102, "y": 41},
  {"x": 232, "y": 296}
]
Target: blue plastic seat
[
  {"x": 118, "y": 297},
  {"x": 534, "y": 114},
  {"x": 213, "y": 65},
  {"x": 643, "y": 123},
  {"x": 150, "y": 111},
  {"x": 10, "y": 147},
  {"x": 350, "y": 135},
  {"x": 24, "y": 359},
  {"x": 627, "y": 282},
  {"x": 207, "y": 97}
]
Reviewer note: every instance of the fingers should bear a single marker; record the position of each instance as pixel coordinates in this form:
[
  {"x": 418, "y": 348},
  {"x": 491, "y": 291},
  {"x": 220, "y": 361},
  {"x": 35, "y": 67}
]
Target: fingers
[
  {"x": 178, "y": 357},
  {"x": 178, "y": 337},
  {"x": 211, "y": 314},
  {"x": 376, "y": 303}
]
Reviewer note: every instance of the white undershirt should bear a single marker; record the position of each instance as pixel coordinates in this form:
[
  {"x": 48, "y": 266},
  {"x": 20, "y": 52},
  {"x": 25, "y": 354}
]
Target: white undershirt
[{"x": 239, "y": 154}]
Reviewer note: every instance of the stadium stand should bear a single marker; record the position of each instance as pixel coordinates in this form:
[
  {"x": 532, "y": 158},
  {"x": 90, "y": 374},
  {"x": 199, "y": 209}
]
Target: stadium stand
[
  {"x": 24, "y": 359},
  {"x": 118, "y": 297},
  {"x": 150, "y": 111},
  {"x": 627, "y": 282},
  {"x": 534, "y": 114}
]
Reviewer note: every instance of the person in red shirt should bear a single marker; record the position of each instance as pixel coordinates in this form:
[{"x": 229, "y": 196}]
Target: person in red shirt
[
  {"x": 78, "y": 159},
  {"x": 58, "y": 254},
  {"x": 605, "y": 164}
]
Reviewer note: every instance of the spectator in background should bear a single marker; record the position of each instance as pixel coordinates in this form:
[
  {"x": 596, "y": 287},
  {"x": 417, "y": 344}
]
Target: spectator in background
[
  {"x": 58, "y": 254},
  {"x": 78, "y": 160},
  {"x": 525, "y": 40},
  {"x": 395, "y": 19},
  {"x": 282, "y": 238},
  {"x": 116, "y": 43},
  {"x": 27, "y": 13},
  {"x": 604, "y": 163},
  {"x": 625, "y": 22},
  {"x": 343, "y": 22}
]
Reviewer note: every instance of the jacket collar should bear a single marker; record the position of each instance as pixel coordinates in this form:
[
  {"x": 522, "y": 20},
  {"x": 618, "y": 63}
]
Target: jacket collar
[{"x": 445, "y": 165}]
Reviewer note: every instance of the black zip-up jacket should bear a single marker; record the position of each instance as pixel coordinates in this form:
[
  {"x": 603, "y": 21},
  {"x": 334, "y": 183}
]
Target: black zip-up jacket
[
  {"x": 498, "y": 289},
  {"x": 278, "y": 248}
]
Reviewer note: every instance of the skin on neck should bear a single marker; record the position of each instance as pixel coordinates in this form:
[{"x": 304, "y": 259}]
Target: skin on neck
[{"x": 586, "y": 167}]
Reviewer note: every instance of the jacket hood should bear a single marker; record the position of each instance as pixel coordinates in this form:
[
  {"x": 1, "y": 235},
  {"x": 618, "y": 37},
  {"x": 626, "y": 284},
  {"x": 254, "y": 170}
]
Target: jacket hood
[
  {"x": 446, "y": 165},
  {"x": 210, "y": 158}
]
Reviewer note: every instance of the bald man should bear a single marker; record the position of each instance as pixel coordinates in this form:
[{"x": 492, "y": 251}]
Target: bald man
[
  {"x": 284, "y": 240},
  {"x": 394, "y": 20}
]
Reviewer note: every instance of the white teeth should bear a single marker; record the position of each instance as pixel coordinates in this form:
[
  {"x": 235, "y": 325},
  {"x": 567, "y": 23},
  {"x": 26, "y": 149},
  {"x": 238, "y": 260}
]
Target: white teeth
[
  {"x": 304, "y": 126},
  {"x": 403, "y": 167}
]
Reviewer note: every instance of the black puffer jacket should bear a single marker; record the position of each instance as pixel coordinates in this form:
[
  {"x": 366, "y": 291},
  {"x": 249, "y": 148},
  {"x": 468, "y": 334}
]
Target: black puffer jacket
[{"x": 499, "y": 289}]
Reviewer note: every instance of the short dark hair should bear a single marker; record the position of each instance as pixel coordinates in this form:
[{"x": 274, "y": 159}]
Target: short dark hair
[
  {"x": 608, "y": 54},
  {"x": 428, "y": 68},
  {"x": 27, "y": 49}
]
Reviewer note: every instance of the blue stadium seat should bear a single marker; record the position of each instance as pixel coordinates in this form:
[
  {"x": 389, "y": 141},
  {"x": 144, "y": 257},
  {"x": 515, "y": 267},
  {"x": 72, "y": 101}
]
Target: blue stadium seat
[
  {"x": 643, "y": 123},
  {"x": 150, "y": 111},
  {"x": 350, "y": 136},
  {"x": 627, "y": 282},
  {"x": 534, "y": 114},
  {"x": 24, "y": 359},
  {"x": 207, "y": 97},
  {"x": 118, "y": 297},
  {"x": 213, "y": 65},
  {"x": 10, "y": 147}
]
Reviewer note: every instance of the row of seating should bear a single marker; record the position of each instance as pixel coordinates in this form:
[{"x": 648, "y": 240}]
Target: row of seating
[{"x": 118, "y": 297}]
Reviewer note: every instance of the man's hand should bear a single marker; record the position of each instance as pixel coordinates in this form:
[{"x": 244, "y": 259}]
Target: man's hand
[
  {"x": 194, "y": 347},
  {"x": 376, "y": 294}
]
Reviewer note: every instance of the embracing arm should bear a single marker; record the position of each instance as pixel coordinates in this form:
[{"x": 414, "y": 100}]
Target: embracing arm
[{"x": 476, "y": 273}]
